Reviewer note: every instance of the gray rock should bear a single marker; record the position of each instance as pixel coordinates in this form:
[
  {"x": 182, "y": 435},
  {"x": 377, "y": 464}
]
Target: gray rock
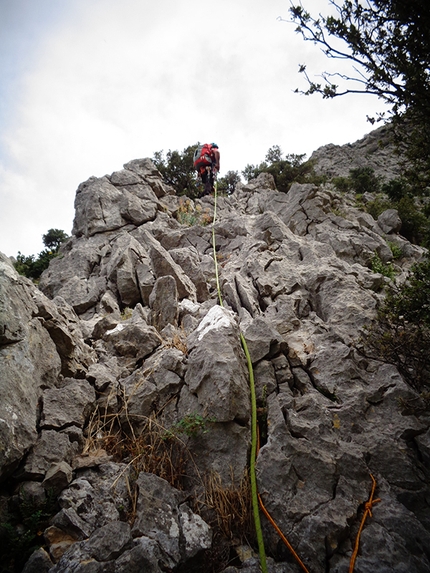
[
  {"x": 109, "y": 541},
  {"x": 67, "y": 406},
  {"x": 28, "y": 362},
  {"x": 216, "y": 371},
  {"x": 103, "y": 375},
  {"x": 377, "y": 150},
  {"x": 39, "y": 562},
  {"x": 58, "y": 477},
  {"x": 262, "y": 339},
  {"x": 196, "y": 533},
  {"x": 163, "y": 302},
  {"x": 161, "y": 516},
  {"x": 84, "y": 370},
  {"x": 91, "y": 501},
  {"x": 131, "y": 339},
  {"x": 145, "y": 555},
  {"x": 389, "y": 221},
  {"x": 62, "y": 323},
  {"x": 163, "y": 264},
  {"x": 188, "y": 259},
  {"x": 51, "y": 447}
]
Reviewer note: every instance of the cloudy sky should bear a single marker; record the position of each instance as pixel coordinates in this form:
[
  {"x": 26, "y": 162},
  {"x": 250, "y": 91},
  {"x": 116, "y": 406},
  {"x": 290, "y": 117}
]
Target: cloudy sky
[{"x": 88, "y": 85}]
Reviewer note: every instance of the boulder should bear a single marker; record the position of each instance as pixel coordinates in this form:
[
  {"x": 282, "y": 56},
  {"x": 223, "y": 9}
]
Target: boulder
[
  {"x": 163, "y": 302},
  {"x": 389, "y": 221},
  {"x": 161, "y": 515},
  {"x": 29, "y": 362},
  {"x": 67, "y": 406}
]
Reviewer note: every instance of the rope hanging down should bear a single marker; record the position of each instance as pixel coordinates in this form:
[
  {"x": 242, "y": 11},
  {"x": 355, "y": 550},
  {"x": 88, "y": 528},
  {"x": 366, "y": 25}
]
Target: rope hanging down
[{"x": 252, "y": 461}]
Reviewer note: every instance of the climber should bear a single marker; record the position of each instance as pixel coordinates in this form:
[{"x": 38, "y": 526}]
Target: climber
[{"x": 207, "y": 163}]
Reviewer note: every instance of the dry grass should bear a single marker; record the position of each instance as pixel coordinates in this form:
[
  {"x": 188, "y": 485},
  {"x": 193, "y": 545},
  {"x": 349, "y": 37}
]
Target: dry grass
[
  {"x": 232, "y": 506},
  {"x": 152, "y": 448},
  {"x": 178, "y": 340}
]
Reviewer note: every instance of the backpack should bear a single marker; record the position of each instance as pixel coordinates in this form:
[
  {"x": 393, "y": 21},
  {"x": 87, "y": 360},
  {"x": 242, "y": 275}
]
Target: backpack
[{"x": 202, "y": 156}]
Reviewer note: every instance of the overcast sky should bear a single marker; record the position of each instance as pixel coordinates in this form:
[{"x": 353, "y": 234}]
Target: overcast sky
[{"x": 88, "y": 85}]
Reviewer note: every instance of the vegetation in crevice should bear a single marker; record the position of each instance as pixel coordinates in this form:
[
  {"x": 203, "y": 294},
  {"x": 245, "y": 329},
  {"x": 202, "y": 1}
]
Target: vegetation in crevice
[{"x": 400, "y": 335}]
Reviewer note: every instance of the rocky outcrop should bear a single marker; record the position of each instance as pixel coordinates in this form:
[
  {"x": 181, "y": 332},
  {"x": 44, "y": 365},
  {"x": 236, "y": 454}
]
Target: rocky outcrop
[
  {"x": 40, "y": 343},
  {"x": 127, "y": 388},
  {"x": 376, "y": 150}
]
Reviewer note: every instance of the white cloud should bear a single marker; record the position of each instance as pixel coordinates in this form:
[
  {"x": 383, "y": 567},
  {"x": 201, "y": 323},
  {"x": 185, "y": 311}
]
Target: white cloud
[{"x": 111, "y": 82}]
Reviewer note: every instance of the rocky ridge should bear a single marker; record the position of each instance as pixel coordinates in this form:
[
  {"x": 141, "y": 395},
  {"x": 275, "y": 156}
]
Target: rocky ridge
[
  {"x": 125, "y": 334},
  {"x": 376, "y": 150}
]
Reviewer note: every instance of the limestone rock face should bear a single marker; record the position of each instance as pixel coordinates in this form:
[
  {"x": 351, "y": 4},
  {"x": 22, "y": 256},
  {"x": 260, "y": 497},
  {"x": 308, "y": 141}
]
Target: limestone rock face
[
  {"x": 39, "y": 341},
  {"x": 125, "y": 386},
  {"x": 376, "y": 149}
]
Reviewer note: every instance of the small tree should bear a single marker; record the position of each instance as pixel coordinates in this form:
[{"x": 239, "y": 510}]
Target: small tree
[
  {"x": 53, "y": 239},
  {"x": 32, "y": 267},
  {"x": 364, "y": 180},
  {"x": 227, "y": 184},
  {"x": 285, "y": 170},
  {"x": 387, "y": 43},
  {"x": 177, "y": 169},
  {"x": 401, "y": 333}
]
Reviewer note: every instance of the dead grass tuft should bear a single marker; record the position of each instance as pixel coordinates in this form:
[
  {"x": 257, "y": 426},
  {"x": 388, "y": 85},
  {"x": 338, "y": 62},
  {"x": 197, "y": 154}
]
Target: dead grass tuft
[
  {"x": 152, "y": 448},
  {"x": 232, "y": 506}
]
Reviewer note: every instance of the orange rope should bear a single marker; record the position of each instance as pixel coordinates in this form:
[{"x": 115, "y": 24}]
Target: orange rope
[
  {"x": 282, "y": 536},
  {"x": 367, "y": 511}
]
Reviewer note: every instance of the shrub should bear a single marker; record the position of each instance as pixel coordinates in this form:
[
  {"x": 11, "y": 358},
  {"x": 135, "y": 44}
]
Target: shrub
[
  {"x": 285, "y": 170},
  {"x": 415, "y": 225},
  {"x": 396, "y": 250},
  {"x": 378, "y": 266},
  {"x": 378, "y": 206},
  {"x": 228, "y": 183},
  {"x": 401, "y": 333},
  {"x": 190, "y": 215},
  {"x": 395, "y": 189},
  {"x": 191, "y": 425},
  {"x": 21, "y": 530},
  {"x": 342, "y": 184},
  {"x": 364, "y": 180},
  {"x": 177, "y": 169},
  {"x": 32, "y": 267}
]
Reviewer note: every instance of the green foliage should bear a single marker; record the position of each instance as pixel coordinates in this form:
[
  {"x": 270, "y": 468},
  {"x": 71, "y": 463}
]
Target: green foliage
[
  {"x": 415, "y": 225},
  {"x": 396, "y": 250},
  {"x": 400, "y": 194},
  {"x": 378, "y": 205},
  {"x": 412, "y": 209},
  {"x": 177, "y": 169},
  {"x": 228, "y": 183},
  {"x": 285, "y": 170},
  {"x": 378, "y": 266},
  {"x": 32, "y": 267},
  {"x": 342, "y": 184},
  {"x": 364, "y": 180},
  {"x": 396, "y": 189},
  {"x": 21, "y": 532},
  {"x": 388, "y": 46},
  {"x": 192, "y": 425},
  {"x": 360, "y": 180},
  {"x": 190, "y": 214},
  {"x": 401, "y": 333},
  {"x": 53, "y": 239}
]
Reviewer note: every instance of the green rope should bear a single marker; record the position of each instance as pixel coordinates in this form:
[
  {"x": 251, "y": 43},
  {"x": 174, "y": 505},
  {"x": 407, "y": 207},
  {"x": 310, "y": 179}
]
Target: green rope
[
  {"x": 214, "y": 247},
  {"x": 253, "y": 456}
]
